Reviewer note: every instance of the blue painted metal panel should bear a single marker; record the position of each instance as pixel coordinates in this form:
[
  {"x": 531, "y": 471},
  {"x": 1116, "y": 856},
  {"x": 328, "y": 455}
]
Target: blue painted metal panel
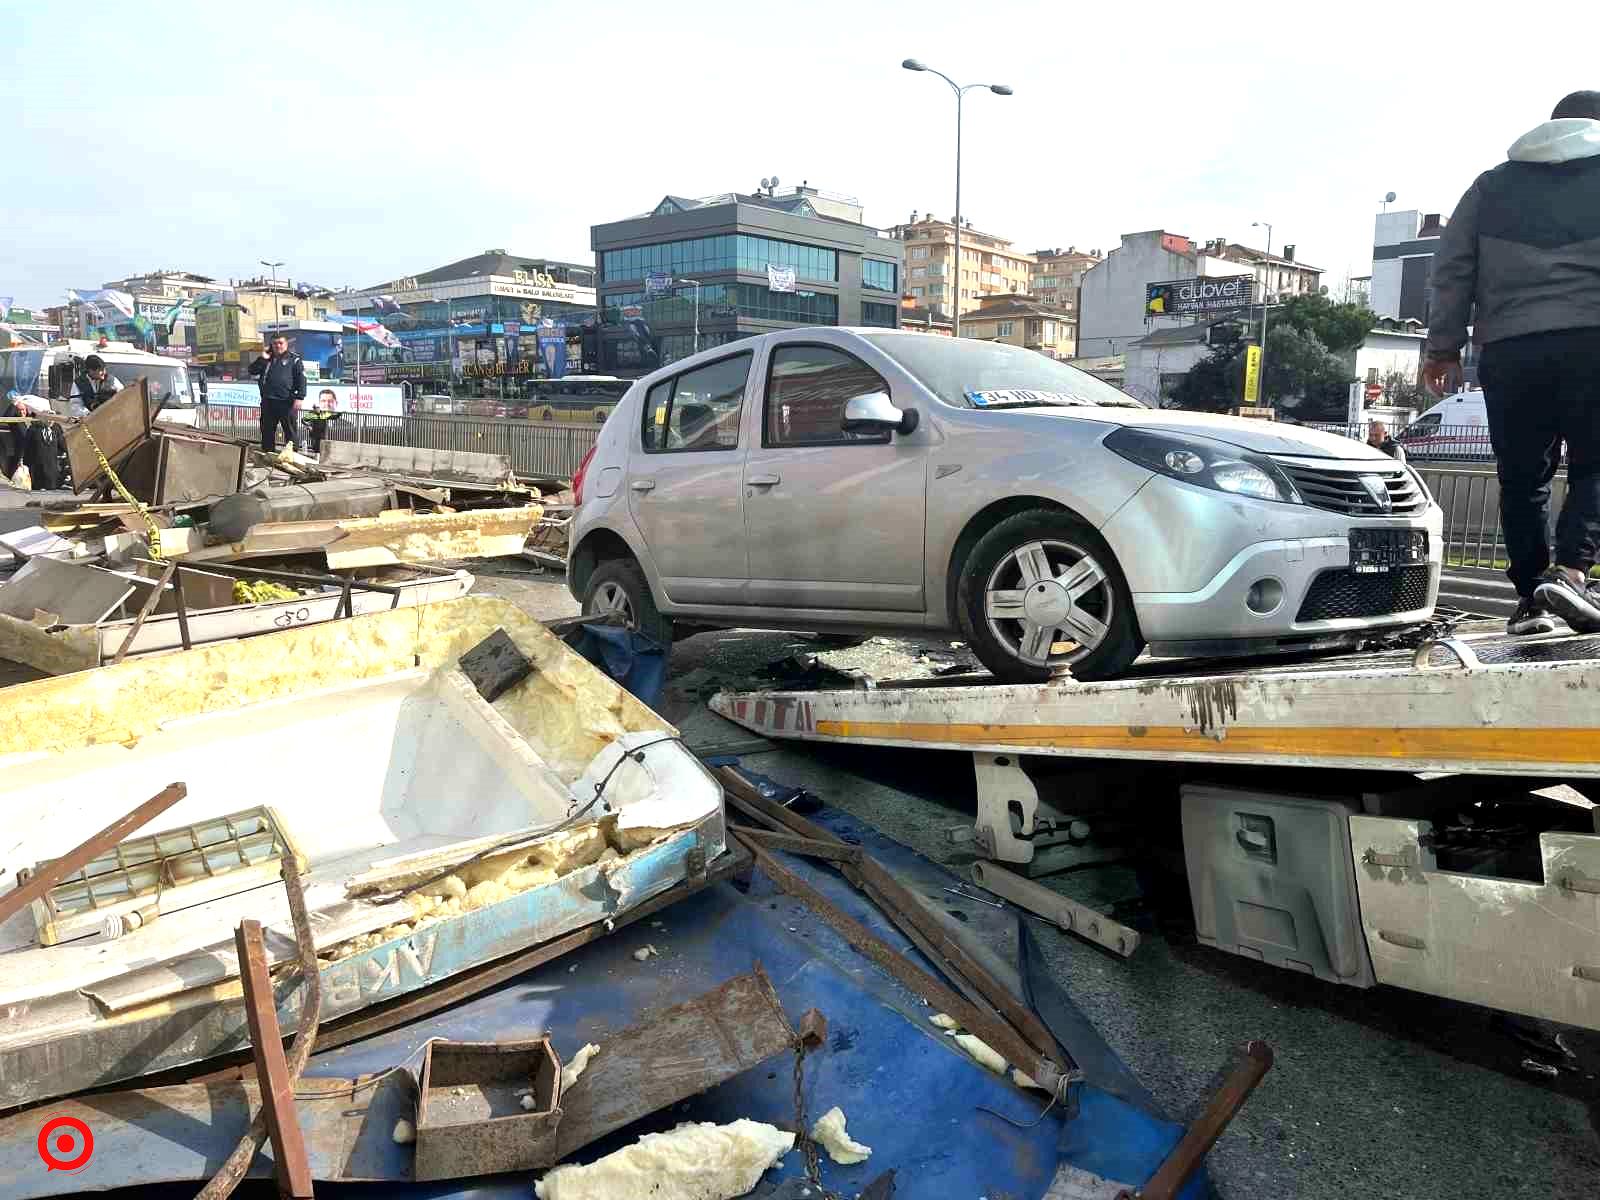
[{"x": 907, "y": 1091}]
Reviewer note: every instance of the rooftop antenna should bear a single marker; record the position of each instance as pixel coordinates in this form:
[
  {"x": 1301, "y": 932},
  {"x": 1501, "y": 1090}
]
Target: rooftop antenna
[{"x": 1388, "y": 199}]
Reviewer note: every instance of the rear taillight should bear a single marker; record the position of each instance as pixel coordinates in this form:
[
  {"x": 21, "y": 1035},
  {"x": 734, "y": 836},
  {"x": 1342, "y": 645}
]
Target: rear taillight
[{"x": 577, "y": 476}]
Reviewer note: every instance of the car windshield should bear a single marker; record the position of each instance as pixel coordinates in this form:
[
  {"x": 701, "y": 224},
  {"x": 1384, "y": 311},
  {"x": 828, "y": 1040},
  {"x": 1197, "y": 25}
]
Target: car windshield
[
  {"x": 168, "y": 383},
  {"x": 974, "y": 374}
]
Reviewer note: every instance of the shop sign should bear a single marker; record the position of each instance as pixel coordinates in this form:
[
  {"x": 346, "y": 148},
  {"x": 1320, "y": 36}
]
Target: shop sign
[
  {"x": 559, "y": 293},
  {"x": 1199, "y": 296},
  {"x": 780, "y": 279}
]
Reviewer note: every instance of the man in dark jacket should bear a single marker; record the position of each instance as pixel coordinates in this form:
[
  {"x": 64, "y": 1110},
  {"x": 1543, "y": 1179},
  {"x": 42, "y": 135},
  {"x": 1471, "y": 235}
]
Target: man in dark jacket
[
  {"x": 96, "y": 384},
  {"x": 1378, "y": 438},
  {"x": 1520, "y": 261},
  {"x": 282, "y": 377}
]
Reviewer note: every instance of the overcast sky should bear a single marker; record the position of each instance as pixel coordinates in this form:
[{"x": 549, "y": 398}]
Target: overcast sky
[{"x": 360, "y": 142}]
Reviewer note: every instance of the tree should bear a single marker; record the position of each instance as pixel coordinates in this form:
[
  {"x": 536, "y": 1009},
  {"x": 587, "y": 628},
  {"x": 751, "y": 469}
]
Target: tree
[
  {"x": 1215, "y": 383},
  {"x": 1309, "y": 381},
  {"x": 1308, "y": 338},
  {"x": 1339, "y": 327}
]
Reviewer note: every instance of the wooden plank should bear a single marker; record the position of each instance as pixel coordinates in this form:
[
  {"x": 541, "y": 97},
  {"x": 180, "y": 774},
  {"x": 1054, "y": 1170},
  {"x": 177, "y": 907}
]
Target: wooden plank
[
  {"x": 117, "y": 426},
  {"x": 277, "y": 1089},
  {"x": 48, "y": 874}
]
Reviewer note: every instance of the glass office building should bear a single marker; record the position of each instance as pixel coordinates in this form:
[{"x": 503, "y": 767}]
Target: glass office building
[{"x": 737, "y": 265}]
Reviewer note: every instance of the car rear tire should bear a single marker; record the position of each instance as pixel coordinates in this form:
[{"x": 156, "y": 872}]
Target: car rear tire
[
  {"x": 618, "y": 586},
  {"x": 1041, "y": 594}
]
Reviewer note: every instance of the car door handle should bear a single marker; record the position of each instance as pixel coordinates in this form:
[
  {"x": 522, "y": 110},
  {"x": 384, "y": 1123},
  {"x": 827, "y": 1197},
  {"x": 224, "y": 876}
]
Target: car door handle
[
  {"x": 763, "y": 480},
  {"x": 643, "y": 485}
]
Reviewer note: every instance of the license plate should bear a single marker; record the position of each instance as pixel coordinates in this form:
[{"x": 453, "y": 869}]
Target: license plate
[{"x": 1374, "y": 551}]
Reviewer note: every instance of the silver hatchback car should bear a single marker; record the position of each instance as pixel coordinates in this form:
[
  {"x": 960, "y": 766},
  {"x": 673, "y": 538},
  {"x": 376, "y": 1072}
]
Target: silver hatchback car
[{"x": 863, "y": 480}]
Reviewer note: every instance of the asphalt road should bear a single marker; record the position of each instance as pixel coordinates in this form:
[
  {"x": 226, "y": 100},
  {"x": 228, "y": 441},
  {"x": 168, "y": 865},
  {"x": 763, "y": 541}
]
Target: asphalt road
[{"x": 1375, "y": 1093}]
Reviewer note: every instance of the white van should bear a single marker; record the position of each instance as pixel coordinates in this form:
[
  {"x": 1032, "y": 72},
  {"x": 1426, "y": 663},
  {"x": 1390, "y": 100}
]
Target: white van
[
  {"x": 50, "y": 372},
  {"x": 1455, "y": 428}
]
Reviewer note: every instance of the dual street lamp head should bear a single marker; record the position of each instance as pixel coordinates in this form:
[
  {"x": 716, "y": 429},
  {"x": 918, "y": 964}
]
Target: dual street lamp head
[{"x": 912, "y": 64}]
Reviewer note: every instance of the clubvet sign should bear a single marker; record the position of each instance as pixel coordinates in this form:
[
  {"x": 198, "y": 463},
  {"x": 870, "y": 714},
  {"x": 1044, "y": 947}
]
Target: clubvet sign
[{"x": 1201, "y": 296}]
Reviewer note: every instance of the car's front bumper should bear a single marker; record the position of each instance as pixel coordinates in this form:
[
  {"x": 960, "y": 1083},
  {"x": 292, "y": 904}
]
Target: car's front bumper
[{"x": 1192, "y": 558}]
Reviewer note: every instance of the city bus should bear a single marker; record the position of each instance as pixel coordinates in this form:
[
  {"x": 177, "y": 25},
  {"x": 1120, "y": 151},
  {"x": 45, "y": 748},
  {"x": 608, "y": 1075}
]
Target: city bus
[{"x": 574, "y": 399}]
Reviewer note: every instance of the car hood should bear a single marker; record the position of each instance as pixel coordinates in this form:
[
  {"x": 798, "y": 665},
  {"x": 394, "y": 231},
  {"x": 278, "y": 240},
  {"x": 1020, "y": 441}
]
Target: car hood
[{"x": 1262, "y": 437}]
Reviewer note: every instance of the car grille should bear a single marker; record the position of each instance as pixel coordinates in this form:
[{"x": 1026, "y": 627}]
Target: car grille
[
  {"x": 1342, "y": 593},
  {"x": 1342, "y": 491}
]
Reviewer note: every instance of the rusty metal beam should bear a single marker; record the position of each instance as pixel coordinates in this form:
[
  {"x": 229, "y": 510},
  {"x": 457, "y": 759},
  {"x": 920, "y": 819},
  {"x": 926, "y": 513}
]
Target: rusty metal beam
[
  {"x": 986, "y": 1025},
  {"x": 839, "y": 852},
  {"x": 53, "y": 872},
  {"x": 1203, "y": 1133},
  {"x": 237, "y": 1163},
  {"x": 672, "y": 1055},
  {"x": 277, "y": 1091},
  {"x": 921, "y": 927}
]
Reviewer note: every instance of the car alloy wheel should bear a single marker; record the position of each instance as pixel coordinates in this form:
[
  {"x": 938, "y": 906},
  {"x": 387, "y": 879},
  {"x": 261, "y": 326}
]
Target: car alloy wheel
[
  {"x": 609, "y": 598},
  {"x": 1049, "y": 603}
]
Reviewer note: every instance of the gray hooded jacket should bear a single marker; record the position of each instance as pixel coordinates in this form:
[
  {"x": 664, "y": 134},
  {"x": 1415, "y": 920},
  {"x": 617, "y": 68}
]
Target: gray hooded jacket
[{"x": 1522, "y": 252}]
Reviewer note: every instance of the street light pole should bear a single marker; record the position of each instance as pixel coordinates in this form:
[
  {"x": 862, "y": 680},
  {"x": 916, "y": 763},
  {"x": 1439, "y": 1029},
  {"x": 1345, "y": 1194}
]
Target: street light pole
[
  {"x": 1266, "y": 300},
  {"x": 273, "y": 267},
  {"x": 999, "y": 89}
]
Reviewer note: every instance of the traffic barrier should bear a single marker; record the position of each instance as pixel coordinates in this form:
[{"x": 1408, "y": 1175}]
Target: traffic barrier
[{"x": 535, "y": 448}]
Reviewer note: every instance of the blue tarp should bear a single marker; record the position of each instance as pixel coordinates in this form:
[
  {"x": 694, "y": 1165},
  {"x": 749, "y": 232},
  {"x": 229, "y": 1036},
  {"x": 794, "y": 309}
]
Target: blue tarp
[
  {"x": 635, "y": 661},
  {"x": 906, "y": 1090}
]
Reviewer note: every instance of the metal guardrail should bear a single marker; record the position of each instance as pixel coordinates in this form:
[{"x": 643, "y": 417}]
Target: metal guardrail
[
  {"x": 534, "y": 447},
  {"x": 1430, "y": 443}
]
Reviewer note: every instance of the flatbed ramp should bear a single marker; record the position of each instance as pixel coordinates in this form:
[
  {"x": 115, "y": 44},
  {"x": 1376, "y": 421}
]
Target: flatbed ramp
[
  {"x": 1478, "y": 702},
  {"x": 1304, "y": 873}
]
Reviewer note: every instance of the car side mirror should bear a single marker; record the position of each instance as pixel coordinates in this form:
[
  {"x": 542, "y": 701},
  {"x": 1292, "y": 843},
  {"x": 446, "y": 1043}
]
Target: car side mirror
[{"x": 875, "y": 412}]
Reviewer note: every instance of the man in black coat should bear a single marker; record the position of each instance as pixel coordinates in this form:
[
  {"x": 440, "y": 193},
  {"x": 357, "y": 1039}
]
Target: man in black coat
[
  {"x": 1520, "y": 262},
  {"x": 281, "y": 375}
]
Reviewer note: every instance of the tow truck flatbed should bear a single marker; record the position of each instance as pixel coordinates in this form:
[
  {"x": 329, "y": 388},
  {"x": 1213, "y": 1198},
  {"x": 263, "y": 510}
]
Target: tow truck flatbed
[
  {"x": 1477, "y": 702},
  {"x": 1309, "y": 872}
]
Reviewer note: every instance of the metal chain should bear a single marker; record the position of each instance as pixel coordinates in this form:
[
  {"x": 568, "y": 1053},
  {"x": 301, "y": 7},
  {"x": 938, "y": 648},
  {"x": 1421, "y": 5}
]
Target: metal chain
[{"x": 802, "y": 1127}]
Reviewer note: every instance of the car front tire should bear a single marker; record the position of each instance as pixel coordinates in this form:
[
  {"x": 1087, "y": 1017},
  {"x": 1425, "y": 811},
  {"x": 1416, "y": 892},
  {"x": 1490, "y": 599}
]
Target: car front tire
[
  {"x": 618, "y": 586},
  {"x": 1040, "y": 595}
]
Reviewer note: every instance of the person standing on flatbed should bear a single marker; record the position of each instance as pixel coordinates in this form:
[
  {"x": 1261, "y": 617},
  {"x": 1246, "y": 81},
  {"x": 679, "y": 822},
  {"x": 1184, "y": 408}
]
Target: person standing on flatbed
[{"x": 1520, "y": 262}]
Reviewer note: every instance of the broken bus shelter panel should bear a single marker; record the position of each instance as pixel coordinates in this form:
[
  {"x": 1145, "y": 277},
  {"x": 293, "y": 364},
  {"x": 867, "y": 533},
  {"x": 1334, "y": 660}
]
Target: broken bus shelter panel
[{"x": 582, "y": 805}]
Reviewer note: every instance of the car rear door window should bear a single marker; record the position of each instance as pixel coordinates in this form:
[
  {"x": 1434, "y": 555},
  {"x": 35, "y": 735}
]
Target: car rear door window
[
  {"x": 698, "y": 410},
  {"x": 807, "y": 389}
]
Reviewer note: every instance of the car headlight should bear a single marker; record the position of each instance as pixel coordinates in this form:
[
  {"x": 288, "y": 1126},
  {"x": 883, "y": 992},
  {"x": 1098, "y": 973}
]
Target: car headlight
[{"x": 1206, "y": 463}]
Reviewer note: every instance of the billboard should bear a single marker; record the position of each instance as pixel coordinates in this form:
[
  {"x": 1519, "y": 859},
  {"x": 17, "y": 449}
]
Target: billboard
[
  {"x": 1199, "y": 297},
  {"x": 216, "y": 328},
  {"x": 384, "y": 401}
]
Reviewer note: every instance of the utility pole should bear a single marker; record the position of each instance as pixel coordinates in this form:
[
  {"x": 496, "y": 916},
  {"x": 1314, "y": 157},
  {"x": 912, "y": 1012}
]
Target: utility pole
[{"x": 998, "y": 89}]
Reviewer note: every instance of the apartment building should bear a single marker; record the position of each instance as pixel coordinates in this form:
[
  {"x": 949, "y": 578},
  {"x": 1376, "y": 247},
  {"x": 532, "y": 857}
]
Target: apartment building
[
  {"x": 1020, "y": 320},
  {"x": 990, "y": 265},
  {"x": 1057, "y": 274}
]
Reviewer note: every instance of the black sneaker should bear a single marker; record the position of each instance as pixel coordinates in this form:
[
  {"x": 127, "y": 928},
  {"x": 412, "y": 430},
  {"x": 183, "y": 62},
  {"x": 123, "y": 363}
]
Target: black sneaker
[
  {"x": 1531, "y": 617},
  {"x": 1578, "y": 605}
]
